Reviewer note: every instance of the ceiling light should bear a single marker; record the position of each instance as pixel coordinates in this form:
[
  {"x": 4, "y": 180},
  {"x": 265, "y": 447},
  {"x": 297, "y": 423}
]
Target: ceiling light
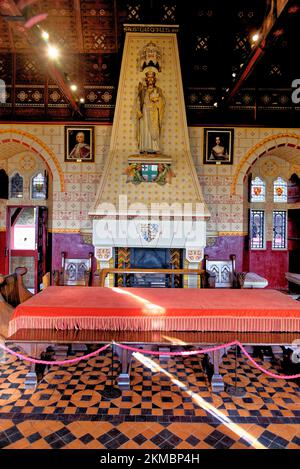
[
  {"x": 234, "y": 74},
  {"x": 53, "y": 52},
  {"x": 255, "y": 37},
  {"x": 73, "y": 87},
  {"x": 216, "y": 104},
  {"x": 81, "y": 100},
  {"x": 45, "y": 35}
]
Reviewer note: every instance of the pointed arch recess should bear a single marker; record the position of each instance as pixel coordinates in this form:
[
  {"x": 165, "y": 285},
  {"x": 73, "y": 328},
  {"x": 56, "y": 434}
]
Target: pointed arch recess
[
  {"x": 260, "y": 149},
  {"x": 53, "y": 163}
]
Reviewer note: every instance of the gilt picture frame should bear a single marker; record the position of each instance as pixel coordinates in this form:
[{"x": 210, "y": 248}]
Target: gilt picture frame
[
  {"x": 79, "y": 144},
  {"x": 218, "y": 146}
]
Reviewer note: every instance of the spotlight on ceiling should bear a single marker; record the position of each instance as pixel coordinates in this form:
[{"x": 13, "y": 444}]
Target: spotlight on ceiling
[
  {"x": 216, "y": 104},
  {"x": 81, "y": 100},
  {"x": 255, "y": 37},
  {"x": 233, "y": 74},
  {"x": 53, "y": 52},
  {"x": 45, "y": 35},
  {"x": 73, "y": 87}
]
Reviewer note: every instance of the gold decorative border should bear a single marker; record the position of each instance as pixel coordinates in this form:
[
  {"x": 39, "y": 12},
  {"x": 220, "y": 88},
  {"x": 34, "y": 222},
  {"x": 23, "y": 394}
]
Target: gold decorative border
[
  {"x": 232, "y": 233},
  {"x": 63, "y": 230},
  {"x": 151, "y": 28},
  {"x": 256, "y": 147}
]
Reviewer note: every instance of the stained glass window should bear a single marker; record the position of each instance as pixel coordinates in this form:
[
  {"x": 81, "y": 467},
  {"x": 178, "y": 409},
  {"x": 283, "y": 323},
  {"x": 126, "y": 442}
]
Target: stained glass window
[
  {"x": 280, "y": 190},
  {"x": 16, "y": 186},
  {"x": 39, "y": 187},
  {"x": 279, "y": 229},
  {"x": 258, "y": 190},
  {"x": 257, "y": 229}
]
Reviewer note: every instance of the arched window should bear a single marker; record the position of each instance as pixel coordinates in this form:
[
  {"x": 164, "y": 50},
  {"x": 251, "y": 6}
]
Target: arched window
[
  {"x": 39, "y": 186},
  {"x": 16, "y": 186},
  {"x": 280, "y": 190},
  {"x": 3, "y": 184},
  {"x": 258, "y": 190},
  {"x": 279, "y": 238}
]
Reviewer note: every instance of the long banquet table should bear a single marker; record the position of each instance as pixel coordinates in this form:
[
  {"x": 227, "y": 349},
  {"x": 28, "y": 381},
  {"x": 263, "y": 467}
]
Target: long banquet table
[{"x": 154, "y": 317}]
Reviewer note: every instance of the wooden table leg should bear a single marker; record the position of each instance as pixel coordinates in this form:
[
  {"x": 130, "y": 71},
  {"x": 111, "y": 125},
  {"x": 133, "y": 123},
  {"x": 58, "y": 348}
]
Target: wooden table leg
[
  {"x": 31, "y": 378},
  {"x": 123, "y": 379},
  {"x": 217, "y": 383}
]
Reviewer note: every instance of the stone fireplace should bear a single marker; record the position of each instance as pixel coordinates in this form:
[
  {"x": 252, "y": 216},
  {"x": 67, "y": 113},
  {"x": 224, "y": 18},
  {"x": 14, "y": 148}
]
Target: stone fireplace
[{"x": 150, "y": 203}]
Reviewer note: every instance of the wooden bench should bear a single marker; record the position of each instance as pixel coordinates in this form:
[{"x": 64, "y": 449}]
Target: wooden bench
[
  {"x": 293, "y": 282},
  {"x": 12, "y": 293}
]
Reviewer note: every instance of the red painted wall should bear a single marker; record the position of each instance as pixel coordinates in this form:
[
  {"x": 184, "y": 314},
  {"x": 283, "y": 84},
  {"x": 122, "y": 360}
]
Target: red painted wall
[
  {"x": 270, "y": 264},
  {"x": 72, "y": 244},
  {"x": 2, "y": 251}
]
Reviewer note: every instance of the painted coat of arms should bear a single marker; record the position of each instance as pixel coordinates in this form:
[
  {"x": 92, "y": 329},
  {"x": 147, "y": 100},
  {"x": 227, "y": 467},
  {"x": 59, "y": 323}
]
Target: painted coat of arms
[{"x": 149, "y": 231}]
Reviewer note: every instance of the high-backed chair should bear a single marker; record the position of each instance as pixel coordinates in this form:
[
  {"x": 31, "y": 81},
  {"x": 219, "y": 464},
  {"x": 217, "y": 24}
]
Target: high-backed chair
[
  {"x": 74, "y": 271},
  {"x": 220, "y": 272}
]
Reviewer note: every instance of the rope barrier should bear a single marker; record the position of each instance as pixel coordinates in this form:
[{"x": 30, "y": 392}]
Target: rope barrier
[
  {"x": 273, "y": 375},
  {"x": 152, "y": 352},
  {"x": 196, "y": 352},
  {"x": 60, "y": 363},
  {"x": 173, "y": 354}
]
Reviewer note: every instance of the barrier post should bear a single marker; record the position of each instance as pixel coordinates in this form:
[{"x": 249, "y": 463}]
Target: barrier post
[
  {"x": 110, "y": 391},
  {"x": 234, "y": 390}
]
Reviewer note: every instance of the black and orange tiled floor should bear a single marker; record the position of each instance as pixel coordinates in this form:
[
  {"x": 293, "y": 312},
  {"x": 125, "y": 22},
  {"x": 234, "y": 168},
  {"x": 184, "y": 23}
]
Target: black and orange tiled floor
[{"x": 170, "y": 406}]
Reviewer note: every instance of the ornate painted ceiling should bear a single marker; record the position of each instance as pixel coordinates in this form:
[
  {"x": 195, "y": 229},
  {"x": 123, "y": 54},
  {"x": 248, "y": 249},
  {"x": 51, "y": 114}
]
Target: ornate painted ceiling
[{"x": 214, "y": 41}]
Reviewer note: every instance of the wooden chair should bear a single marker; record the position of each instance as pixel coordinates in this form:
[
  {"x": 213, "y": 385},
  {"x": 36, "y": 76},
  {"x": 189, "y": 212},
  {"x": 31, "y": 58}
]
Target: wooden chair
[
  {"x": 74, "y": 271},
  {"x": 221, "y": 273}
]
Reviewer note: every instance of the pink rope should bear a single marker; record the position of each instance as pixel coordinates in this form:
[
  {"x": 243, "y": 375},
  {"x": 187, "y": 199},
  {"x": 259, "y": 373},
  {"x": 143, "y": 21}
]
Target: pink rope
[
  {"x": 196, "y": 352},
  {"x": 152, "y": 352},
  {"x": 173, "y": 354},
  {"x": 45, "y": 362},
  {"x": 273, "y": 375}
]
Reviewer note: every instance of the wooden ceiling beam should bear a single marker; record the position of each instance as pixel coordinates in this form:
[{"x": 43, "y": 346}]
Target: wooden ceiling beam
[
  {"x": 78, "y": 22},
  {"x": 276, "y": 10},
  {"x": 11, "y": 38}
]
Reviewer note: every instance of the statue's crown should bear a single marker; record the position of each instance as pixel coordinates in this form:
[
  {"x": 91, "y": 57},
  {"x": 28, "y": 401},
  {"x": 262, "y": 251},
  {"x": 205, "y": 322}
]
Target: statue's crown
[{"x": 150, "y": 57}]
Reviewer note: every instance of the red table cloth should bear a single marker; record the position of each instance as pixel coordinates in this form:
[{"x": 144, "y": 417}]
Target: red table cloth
[{"x": 146, "y": 309}]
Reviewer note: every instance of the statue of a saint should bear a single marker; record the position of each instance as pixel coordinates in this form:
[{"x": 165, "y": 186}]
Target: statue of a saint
[{"x": 150, "y": 113}]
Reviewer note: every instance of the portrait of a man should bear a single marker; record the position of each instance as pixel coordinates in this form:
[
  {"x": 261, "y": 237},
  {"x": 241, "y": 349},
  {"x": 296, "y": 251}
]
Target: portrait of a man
[
  {"x": 79, "y": 144},
  {"x": 218, "y": 146}
]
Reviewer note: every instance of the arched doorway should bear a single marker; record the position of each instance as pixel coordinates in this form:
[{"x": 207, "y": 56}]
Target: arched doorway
[
  {"x": 271, "y": 217},
  {"x": 24, "y": 215}
]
